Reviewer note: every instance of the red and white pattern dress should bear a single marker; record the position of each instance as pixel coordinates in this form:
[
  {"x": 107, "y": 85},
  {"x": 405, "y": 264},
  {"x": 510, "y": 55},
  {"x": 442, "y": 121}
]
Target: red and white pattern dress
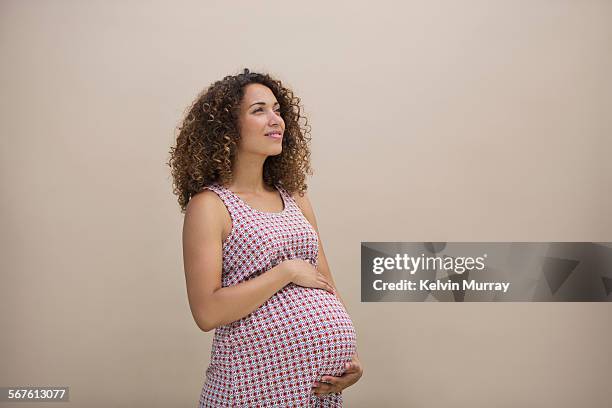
[{"x": 273, "y": 356}]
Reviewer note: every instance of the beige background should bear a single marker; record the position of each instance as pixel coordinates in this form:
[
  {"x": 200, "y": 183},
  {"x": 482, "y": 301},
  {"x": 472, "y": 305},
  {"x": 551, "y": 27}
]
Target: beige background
[{"x": 431, "y": 121}]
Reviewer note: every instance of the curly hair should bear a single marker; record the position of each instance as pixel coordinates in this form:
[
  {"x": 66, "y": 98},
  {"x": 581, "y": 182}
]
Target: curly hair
[{"x": 208, "y": 137}]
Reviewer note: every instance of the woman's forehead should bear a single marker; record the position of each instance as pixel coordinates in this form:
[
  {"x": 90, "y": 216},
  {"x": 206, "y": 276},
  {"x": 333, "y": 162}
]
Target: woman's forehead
[{"x": 257, "y": 93}]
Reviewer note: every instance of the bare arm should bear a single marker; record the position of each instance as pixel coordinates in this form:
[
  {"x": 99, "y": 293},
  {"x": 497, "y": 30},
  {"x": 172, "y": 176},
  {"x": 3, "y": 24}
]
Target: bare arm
[{"x": 212, "y": 305}]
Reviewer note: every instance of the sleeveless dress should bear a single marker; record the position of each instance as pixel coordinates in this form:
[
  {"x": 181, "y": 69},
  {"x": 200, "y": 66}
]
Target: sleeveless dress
[{"x": 273, "y": 356}]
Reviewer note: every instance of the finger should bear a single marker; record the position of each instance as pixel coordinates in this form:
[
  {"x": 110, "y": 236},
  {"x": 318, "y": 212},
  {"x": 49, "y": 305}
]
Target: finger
[
  {"x": 327, "y": 380},
  {"x": 347, "y": 379},
  {"x": 322, "y": 388},
  {"x": 334, "y": 381},
  {"x": 329, "y": 286},
  {"x": 328, "y": 389},
  {"x": 336, "y": 384},
  {"x": 322, "y": 277},
  {"x": 325, "y": 285}
]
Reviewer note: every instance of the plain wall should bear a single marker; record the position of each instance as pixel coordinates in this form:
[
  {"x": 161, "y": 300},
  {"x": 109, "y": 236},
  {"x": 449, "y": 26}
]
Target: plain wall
[{"x": 431, "y": 121}]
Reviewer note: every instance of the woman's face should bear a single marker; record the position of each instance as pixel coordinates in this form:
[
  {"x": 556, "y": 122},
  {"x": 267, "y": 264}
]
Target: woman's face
[{"x": 260, "y": 124}]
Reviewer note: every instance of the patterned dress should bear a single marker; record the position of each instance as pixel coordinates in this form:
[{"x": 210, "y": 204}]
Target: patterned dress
[{"x": 273, "y": 356}]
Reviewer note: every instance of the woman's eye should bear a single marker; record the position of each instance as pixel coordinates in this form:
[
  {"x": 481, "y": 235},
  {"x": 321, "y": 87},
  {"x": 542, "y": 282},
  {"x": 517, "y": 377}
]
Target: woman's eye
[{"x": 259, "y": 110}]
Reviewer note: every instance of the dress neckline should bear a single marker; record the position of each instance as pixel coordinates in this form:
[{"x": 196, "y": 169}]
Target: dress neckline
[{"x": 285, "y": 204}]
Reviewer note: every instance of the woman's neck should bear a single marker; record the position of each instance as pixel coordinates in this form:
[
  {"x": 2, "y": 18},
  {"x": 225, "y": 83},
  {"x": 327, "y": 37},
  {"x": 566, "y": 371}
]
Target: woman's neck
[{"x": 247, "y": 172}]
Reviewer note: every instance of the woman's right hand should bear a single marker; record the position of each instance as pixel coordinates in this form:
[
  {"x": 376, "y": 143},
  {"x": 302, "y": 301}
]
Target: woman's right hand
[{"x": 303, "y": 273}]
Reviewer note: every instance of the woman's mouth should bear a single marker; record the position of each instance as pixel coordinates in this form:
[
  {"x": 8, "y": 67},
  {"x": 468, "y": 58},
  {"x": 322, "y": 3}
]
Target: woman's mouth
[{"x": 275, "y": 135}]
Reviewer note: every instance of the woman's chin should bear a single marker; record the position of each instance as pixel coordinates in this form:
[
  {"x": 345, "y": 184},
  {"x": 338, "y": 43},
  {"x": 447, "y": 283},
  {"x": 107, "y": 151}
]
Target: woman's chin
[{"x": 276, "y": 151}]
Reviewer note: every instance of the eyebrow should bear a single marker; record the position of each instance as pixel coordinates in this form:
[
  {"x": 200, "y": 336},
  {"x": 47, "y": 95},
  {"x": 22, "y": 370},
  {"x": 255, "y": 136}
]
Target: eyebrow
[{"x": 262, "y": 103}]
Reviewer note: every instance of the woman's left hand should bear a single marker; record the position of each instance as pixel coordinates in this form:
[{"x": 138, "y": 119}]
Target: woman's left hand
[{"x": 336, "y": 384}]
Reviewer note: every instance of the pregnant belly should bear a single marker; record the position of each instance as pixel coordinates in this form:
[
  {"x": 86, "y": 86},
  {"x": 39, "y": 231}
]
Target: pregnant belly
[{"x": 305, "y": 331}]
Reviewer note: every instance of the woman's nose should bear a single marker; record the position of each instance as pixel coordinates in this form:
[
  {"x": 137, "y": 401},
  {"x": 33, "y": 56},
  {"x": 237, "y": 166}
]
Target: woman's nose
[{"x": 275, "y": 118}]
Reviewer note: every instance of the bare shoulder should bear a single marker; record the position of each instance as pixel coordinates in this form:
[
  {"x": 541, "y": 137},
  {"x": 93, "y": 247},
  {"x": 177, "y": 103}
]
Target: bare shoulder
[
  {"x": 204, "y": 204},
  {"x": 205, "y": 211}
]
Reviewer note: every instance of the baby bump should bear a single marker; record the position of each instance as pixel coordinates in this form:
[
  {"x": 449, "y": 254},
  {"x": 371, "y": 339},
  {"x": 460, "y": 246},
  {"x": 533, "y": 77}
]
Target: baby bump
[
  {"x": 333, "y": 337},
  {"x": 306, "y": 330}
]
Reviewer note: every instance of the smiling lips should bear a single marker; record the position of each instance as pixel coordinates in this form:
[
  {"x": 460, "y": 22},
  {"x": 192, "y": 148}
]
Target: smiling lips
[{"x": 276, "y": 134}]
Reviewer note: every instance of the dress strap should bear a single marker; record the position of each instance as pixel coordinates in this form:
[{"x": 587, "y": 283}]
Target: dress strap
[
  {"x": 287, "y": 199},
  {"x": 229, "y": 199}
]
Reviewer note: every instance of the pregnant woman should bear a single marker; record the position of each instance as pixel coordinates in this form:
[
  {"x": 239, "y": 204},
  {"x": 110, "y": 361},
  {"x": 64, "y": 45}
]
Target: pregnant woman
[{"x": 254, "y": 263}]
